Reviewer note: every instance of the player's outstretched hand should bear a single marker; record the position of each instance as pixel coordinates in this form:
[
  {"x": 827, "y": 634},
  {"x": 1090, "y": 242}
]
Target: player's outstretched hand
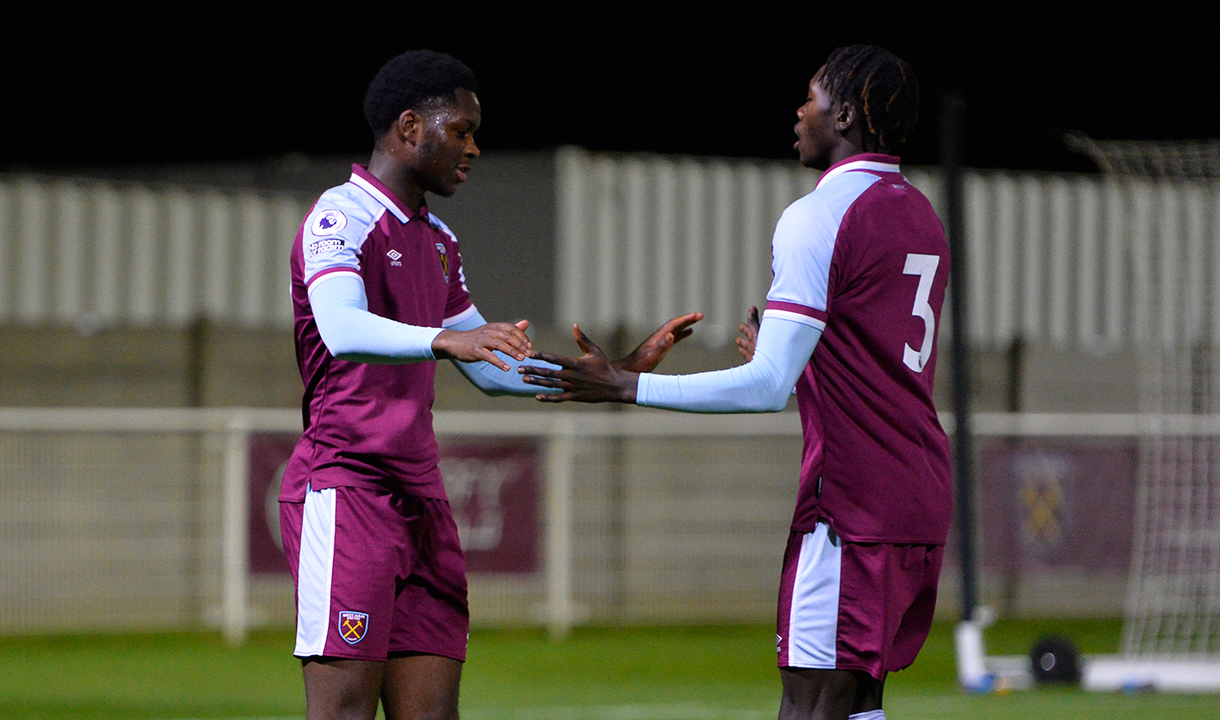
[
  {"x": 652, "y": 351},
  {"x": 749, "y": 334},
  {"x": 482, "y": 342},
  {"x": 589, "y": 378}
]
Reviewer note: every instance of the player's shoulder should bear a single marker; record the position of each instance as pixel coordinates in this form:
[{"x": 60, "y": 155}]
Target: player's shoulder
[
  {"x": 345, "y": 211},
  {"x": 817, "y": 212},
  {"x": 439, "y": 224}
]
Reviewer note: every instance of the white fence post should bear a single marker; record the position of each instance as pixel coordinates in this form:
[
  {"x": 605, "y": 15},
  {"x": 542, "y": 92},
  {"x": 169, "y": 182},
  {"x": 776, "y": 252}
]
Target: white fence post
[
  {"x": 560, "y": 455},
  {"x": 236, "y": 609}
]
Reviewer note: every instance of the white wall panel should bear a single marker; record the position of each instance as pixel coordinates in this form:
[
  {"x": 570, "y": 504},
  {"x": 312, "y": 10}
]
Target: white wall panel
[
  {"x": 1056, "y": 260},
  {"x": 607, "y": 217},
  {"x": 29, "y": 251},
  {"x": 1089, "y": 269},
  {"x": 109, "y": 272},
  {"x": 69, "y": 249},
  {"x": 287, "y": 213},
  {"x": 217, "y": 269},
  {"x": 1061, "y": 282},
  {"x": 8, "y": 239},
  {"x": 694, "y": 237},
  {"x": 665, "y": 252},
  {"x": 251, "y": 273},
  {"x": 1117, "y": 315},
  {"x": 1140, "y": 243},
  {"x": 181, "y": 267},
  {"x": 725, "y": 237},
  {"x": 978, "y": 199},
  {"x": 1028, "y": 252},
  {"x": 756, "y": 230},
  {"x": 1195, "y": 288},
  {"x": 145, "y": 264},
  {"x": 1004, "y": 304}
]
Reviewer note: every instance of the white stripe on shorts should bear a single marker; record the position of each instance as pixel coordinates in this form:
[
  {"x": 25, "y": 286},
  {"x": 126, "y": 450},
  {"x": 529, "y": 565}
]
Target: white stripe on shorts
[
  {"x": 314, "y": 572},
  {"x": 814, "y": 617}
]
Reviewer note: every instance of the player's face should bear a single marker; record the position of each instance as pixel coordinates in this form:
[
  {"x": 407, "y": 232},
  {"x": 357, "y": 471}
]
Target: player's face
[
  {"x": 448, "y": 145},
  {"x": 815, "y": 127}
]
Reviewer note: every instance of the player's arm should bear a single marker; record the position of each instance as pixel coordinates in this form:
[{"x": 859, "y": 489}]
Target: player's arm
[
  {"x": 764, "y": 384},
  {"x": 351, "y": 332},
  {"x": 645, "y": 357},
  {"x": 487, "y": 377}
]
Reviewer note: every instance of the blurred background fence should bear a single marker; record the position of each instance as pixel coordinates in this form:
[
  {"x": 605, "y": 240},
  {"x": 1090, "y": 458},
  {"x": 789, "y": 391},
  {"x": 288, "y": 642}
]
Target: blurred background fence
[
  {"x": 1089, "y": 296},
  {"x": 1059, "y": 260},
  {"x": 150, "y": 519}
]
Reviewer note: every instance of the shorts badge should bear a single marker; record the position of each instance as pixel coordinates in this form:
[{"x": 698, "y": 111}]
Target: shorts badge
[
  {"x": 444, "y": 255},
  {"x": 353, "y": 626}
]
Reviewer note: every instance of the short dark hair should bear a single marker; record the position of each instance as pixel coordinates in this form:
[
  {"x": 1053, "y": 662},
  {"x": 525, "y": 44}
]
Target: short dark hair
[
  {"x": 882, "y": 88},
  {"x": 411, "y": 81}
]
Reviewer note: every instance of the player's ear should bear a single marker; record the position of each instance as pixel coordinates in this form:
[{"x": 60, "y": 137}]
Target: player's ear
[
  {"x": 410, "y": 127},
  {"x": 845, "y": 118}
]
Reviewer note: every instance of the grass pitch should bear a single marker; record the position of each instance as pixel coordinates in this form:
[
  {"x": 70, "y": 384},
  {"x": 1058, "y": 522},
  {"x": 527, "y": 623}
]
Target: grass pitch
[{"x": 667, "y": 673}]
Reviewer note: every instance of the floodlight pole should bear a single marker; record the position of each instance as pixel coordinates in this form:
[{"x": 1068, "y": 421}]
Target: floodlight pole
[{"x": 952, "y": 109}]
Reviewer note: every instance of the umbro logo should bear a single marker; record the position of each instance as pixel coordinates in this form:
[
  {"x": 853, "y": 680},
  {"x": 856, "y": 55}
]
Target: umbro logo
[{"x": 395, "y": 258}]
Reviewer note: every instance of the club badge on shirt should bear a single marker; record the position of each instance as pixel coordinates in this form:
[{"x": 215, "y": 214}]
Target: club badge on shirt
[
  {"x": 353, "y": 626},
  {"x": 444, "y": 256}
]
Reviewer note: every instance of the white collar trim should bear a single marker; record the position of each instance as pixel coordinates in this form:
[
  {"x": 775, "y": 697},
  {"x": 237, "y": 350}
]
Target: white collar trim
[
  {"x": 859, "y": 165},
  {"x": 379, "y": 196}
]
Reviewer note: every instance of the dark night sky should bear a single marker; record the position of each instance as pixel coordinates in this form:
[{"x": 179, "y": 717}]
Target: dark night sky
[{"x": 188, "y": 82}]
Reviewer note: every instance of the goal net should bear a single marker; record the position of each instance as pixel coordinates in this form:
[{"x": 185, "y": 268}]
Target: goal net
[{"x": 1171, "y": 637}]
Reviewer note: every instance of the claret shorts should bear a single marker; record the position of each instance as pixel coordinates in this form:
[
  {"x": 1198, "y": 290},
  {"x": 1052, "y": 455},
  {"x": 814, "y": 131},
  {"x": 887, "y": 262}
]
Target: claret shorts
[
  {"x": 377, "y": 573},
  {"x": 855, "y": 606}
]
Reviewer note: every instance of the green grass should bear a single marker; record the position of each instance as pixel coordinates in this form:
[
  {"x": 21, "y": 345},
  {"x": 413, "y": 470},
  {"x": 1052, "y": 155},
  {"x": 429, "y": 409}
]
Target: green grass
[{"x": 668, "y": 673}]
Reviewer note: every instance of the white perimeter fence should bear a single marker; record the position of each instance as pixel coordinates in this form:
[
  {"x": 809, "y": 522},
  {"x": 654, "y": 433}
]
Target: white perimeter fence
[{"x": 113, "y": 519}]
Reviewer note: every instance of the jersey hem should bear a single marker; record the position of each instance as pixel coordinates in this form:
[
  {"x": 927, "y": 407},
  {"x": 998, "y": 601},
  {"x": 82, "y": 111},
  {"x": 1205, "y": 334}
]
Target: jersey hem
[{"x": 852, "y": 538}]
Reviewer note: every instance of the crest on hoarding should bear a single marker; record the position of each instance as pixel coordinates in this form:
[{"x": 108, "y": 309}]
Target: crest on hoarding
[{"x": 1044, "y": 488}]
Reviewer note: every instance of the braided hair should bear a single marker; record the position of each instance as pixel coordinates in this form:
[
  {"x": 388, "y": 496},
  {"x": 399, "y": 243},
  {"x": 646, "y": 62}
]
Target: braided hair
[{"x": 880, "y": 86}]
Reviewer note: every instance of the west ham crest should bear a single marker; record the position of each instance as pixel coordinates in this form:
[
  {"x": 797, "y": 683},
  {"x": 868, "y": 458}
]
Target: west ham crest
[
  {"x": 444, "y": 255},
  {"x": 353, "y": 626}
]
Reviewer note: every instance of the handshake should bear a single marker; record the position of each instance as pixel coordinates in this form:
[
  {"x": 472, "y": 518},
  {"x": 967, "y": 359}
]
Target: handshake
[{"x": 593, "y": 377}]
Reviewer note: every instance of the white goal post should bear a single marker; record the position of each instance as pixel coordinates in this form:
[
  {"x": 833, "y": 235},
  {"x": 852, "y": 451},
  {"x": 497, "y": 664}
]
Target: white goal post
[{"x": 1171, "y": 638}]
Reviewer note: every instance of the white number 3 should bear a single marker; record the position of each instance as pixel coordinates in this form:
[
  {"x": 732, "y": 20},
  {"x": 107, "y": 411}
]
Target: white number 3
[{"x": 925, "y": 267}]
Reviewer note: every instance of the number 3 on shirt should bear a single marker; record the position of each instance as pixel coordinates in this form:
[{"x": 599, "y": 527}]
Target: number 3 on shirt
[{"x": 925, "y": 267}]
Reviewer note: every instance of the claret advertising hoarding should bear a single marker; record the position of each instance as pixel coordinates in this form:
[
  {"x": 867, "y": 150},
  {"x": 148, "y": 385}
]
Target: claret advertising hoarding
[{"x": 493, "y": 487}]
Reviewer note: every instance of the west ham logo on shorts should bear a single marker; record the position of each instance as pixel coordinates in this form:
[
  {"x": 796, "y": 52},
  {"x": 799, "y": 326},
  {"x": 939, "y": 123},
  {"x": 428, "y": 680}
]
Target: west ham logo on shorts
[
  {"x": 440, "y": 248},
  {"x": 328, "y": 222},
  {"x": 353, "y": 625}
]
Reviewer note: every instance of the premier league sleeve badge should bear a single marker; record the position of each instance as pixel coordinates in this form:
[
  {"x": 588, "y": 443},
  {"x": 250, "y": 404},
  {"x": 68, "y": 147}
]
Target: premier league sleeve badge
[{"x": 328, "y": 222}]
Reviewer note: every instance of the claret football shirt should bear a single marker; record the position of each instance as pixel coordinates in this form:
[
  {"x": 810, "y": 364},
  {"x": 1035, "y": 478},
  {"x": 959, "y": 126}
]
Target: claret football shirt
[
  {"x": 864, "y": 258},
  {"x": 370, "y": 425}
]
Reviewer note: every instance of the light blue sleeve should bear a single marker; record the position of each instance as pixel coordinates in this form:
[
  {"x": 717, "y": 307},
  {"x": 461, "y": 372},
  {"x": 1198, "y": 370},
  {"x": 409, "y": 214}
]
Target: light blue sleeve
[
  {"x": 491, "y": 379},
  {"x": 351, "y": 332},
  {"x": 781, "y": 352}
]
